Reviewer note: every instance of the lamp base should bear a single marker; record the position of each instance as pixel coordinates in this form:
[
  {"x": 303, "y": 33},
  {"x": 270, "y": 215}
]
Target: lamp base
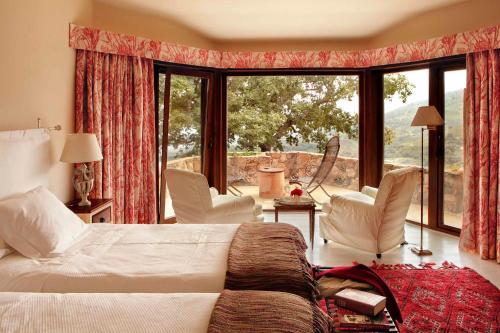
[
  {"x": 421, "y": 252},
  {"x": 83, "y": 181},
  {"x": 84, "y": 202}
]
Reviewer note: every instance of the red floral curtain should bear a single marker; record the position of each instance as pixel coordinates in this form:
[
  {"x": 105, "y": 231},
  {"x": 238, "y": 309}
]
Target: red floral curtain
[
  {"x": 481, "y": 219},
  {"x": 115, "y": 100}
]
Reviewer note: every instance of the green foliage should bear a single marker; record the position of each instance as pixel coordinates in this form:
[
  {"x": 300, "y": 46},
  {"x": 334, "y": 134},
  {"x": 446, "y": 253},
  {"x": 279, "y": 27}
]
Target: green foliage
[
  {"x": 397, "y": 84},
  {"x": 268, "y": 112},
  {"x": 265, "y": 112},
  {"x": 184, "y": 125}
]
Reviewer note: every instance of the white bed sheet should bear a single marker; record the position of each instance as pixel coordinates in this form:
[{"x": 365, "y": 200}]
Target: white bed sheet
[
  {"x": 44, "y": 312},
  {"x": 128, "y": 259}
]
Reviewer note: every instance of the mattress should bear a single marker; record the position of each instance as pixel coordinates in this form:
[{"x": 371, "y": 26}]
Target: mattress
[
  {"x": 129, "y": 259},
  {"x": 46, "y": 312}
]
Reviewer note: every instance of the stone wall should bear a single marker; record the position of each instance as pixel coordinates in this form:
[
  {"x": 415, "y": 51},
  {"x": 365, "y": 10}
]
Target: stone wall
[
  {"x": 303, "y": 166},
  {"x": 297, "y": 164},
  {"x": 185, "y": 163}
]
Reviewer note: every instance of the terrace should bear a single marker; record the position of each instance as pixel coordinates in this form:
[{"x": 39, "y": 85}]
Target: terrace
[{"x": 343, "y": 178}]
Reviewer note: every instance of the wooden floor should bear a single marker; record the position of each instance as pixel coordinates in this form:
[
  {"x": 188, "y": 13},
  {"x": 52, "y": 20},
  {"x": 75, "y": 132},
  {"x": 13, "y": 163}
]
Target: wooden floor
[{"x": 443, "y": 246}]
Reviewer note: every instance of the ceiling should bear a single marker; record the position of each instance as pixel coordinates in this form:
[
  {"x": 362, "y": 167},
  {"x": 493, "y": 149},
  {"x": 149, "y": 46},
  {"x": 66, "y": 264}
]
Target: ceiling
[{"x": 284, "y": 19}]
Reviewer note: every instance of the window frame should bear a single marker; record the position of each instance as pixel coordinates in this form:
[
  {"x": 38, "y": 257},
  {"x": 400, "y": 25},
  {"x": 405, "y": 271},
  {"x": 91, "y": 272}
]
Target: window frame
[{"x": 207, "y": 135}]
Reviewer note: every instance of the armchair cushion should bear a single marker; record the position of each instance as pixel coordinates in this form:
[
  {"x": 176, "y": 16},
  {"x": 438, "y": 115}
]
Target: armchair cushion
[
  {"x": 370, "y": 191},
  {"x": 213, "y": 192}
]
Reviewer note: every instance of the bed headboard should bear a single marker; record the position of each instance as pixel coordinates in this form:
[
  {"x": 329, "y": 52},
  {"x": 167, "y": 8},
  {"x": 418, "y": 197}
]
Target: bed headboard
[{"x": 25, "y": 161}]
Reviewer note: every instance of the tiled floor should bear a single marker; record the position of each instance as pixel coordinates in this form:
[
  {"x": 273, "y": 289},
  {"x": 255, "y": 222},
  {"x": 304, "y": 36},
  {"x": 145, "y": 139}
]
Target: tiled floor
[{"x": 443, "y": 246}]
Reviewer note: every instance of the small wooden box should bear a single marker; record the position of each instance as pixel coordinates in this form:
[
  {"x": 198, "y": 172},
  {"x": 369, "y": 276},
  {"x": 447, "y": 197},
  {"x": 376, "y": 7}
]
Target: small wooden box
[{"x": 100, "y": 210}]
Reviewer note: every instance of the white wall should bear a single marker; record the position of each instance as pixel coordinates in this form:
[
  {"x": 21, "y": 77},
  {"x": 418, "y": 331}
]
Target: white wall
[{"x": 37, "y": 71}]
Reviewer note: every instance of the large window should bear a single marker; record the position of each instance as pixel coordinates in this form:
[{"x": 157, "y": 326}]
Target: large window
[
  {"x": 282, "y": 124},
  {"x": 231, "y": 124},
  {"x": 404, "y": 92}
]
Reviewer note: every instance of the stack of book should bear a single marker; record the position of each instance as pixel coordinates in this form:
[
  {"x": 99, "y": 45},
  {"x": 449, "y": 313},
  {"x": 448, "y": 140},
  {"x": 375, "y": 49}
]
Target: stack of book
[{"x": 361, "y": 311}]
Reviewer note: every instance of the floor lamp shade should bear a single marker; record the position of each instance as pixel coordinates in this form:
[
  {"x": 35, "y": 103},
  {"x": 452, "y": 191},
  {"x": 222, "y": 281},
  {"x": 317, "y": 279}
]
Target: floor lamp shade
[
  {"x": 81, "y": 148},
  {"x": 427, "y": 116}
]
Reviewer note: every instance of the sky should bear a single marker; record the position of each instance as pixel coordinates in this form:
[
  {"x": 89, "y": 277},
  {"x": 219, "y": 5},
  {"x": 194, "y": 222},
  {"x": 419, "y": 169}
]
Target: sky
[{"x": 454, "y": 80}]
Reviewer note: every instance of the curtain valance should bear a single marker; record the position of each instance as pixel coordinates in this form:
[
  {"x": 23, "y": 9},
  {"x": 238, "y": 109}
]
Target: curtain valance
[{"x": 94, "y": 39}]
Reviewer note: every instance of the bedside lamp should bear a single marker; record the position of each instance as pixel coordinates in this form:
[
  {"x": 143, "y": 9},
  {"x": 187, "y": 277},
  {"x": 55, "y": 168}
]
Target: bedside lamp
[
  {"x": 82, "y": 148},
  {"x": 427, "y": 117}
]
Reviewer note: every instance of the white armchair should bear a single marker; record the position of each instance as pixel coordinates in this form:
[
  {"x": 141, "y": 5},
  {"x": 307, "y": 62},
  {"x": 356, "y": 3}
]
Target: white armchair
[
  {"x": 373, "y": 219},
  {"x": 194, "y": 202}
]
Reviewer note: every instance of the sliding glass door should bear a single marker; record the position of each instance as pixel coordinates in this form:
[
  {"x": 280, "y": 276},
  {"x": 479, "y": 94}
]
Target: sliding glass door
[{"x": 181, "y": 125}]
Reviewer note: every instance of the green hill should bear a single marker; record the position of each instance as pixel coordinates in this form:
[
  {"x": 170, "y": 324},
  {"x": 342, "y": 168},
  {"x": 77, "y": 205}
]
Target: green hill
[{"x": 405, "y": 148}]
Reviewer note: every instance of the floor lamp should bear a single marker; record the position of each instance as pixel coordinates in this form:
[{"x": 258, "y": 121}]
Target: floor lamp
[{"x": 427, "y": 117}]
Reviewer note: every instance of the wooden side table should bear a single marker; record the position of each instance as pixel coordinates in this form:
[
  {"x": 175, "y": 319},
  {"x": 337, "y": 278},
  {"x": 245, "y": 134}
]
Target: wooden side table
[
  {"x": 100, "y": 210},
  {"x": 301, "y": 207}
]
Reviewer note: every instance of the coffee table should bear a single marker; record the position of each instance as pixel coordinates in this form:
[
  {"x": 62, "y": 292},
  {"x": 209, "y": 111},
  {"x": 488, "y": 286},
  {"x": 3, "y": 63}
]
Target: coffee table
[{"x": 309, "y": 207}]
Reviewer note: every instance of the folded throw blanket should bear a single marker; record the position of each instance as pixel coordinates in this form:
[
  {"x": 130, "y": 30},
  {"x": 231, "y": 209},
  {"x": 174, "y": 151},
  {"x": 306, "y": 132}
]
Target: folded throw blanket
[
  {"x": 270, "y": 256},
  {"x": 267, "y": 312},
  {"x": 365, "y": 274}
]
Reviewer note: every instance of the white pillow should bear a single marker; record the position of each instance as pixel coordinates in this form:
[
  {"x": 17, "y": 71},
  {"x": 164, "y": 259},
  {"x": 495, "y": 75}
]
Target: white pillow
[{"x": 37, "y": 224}]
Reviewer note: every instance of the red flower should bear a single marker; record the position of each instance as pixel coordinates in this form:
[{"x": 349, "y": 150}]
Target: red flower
[{"x": 296, "y": 192}]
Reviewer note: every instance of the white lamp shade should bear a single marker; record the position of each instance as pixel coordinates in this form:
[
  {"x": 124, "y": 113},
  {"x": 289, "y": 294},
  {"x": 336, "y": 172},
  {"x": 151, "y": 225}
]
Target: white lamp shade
[
  {"x": 81, "y": 148},
  {"x": 427, "y": 116}
]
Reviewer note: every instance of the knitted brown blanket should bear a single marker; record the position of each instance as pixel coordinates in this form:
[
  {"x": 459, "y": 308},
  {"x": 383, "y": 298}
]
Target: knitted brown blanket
[
  {"x": 270, "y": 256},
  {"x": 266, "y": 311}
]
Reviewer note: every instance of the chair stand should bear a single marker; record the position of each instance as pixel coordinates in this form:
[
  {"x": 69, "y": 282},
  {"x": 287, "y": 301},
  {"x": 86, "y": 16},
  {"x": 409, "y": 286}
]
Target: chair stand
[
  {"x": 379, "y": 255},
  {"x": 314, "y": 189},
  {"x": 234, "y": 191}
]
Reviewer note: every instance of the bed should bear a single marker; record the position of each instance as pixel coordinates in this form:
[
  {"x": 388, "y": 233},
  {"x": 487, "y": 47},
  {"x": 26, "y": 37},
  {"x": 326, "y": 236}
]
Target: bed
[
  {"x": 158, "y": 258},
  {"x": 230, "y": 311}
]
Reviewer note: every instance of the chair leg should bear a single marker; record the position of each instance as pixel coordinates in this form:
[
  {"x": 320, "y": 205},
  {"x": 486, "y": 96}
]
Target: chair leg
[
  {"x": 325, "y": 240},
  {"x": 379, "y": 255}
]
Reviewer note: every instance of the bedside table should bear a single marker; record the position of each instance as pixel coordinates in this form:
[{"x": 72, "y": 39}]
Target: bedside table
[{"x": 100, "y": 211}]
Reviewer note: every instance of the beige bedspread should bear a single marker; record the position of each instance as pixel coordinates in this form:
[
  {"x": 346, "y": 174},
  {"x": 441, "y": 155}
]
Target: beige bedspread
[
  {"x": 75, "y": 313},
  {"x": 129, "y": 258}
]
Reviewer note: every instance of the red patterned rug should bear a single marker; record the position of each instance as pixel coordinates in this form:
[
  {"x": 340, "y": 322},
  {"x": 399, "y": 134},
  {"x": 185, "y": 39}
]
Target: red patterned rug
[{"x": 445, "y": 299}]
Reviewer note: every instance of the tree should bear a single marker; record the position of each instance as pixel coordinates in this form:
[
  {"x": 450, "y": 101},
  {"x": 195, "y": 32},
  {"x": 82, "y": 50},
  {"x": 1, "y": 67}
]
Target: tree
[
  {"x": 184, "y": 126},
  {"x": 267, "y": 112}
]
